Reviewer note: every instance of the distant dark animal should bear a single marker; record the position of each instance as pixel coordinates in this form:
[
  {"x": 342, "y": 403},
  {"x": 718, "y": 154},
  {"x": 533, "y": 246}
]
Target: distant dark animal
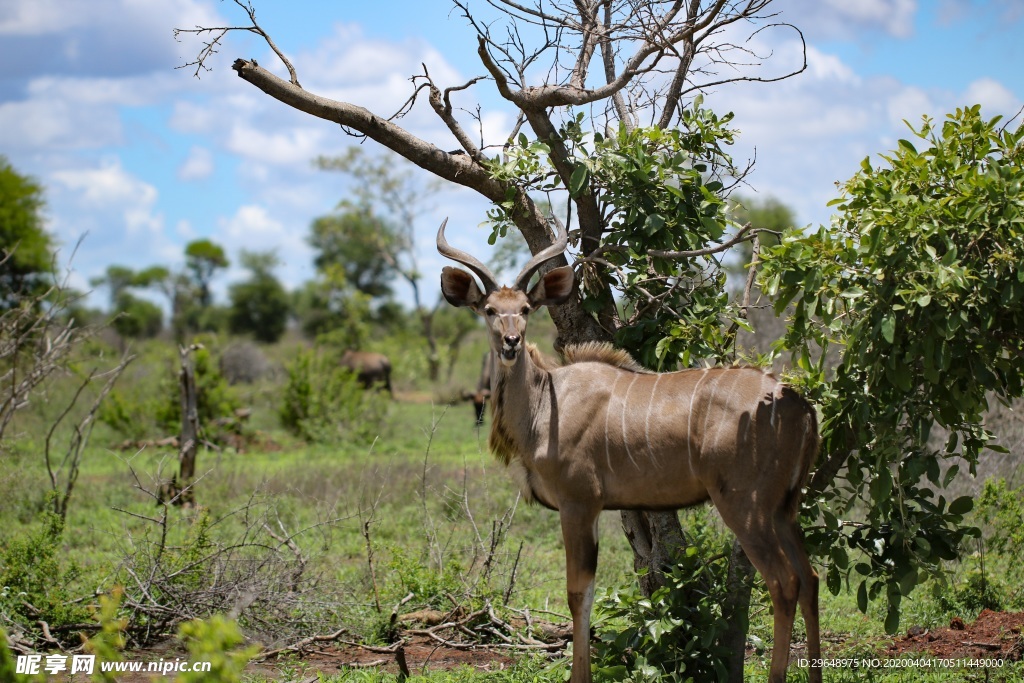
[
  {"x": 483, "y": 388},
  {"x": 372, "y": 369}
]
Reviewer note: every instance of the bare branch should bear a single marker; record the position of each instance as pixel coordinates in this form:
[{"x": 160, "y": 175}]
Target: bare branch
[
  {"x": 457, "y": 168},
  {"x": 210, "y": 48},
  {"x": 442, "y": 106},
  {"x": 741, "y": 236}
]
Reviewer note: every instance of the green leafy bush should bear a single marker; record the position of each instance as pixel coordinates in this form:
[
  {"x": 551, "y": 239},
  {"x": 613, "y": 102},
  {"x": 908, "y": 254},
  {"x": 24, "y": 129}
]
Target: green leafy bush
[
  {"x": 918, "y": 281},
  {"x": 1001, "y": 510},
  {"x": 325, "y": 403},
  {"x": 976, "y": 591},
  {"x": 8, "y": 666},
  {"x": 214, "y": 397},
  {"x": 150, "y": 404},
  {"x": 217, "y": 641},
  {"x": 675, "y": 634},
  {"x": 35, "y": 576},
  {"x": 109, "y": 642},
  {"x": 430, "y": 586}
]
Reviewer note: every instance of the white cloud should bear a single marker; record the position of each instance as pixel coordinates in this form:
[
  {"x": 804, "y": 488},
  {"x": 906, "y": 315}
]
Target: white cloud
[
  {"x": 198, "y": 165},
  {"x": 38, "y": 124},
  {"x": 252, "y": 223},
  {"x": 993, "y": 96},
  {"x": 290, "y": 146},
  {"x": 822, "y": 66},
  {"x": 253, "y": 228},
  {"x": 908, "y": 103},
  {"x": 848, "y": 18},
  {"x": 101, "y": 37},
  {"x": 188, "y": 116},
  {"x": 110, "y": 187},
  {"x": 39, "y": 17}
]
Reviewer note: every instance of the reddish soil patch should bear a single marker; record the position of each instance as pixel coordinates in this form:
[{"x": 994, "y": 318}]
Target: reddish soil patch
[
  {"x": 994, "y": 635},
  {"x": 421, "y": 653}
]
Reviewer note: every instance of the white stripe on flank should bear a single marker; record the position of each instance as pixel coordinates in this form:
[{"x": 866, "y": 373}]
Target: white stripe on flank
[
  {"x": 723, "y": 423},
  {"x": 803, "y": 442},
  {"x": 689, "y": 415},
  {"x": 607, "y": 416},
  {"x": 647, "y": 419},
  {"x": 707, "y": 415},
  {"x": 772, "y": 421},
  {"x": 770, "y": 392},
  {"x": 625, "y": 437}
]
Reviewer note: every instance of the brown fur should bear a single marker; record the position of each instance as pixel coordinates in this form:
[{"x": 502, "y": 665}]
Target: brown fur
[{"x": 502, "y": 441}]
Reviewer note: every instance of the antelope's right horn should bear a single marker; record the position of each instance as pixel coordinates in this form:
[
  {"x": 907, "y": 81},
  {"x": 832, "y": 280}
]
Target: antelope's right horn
[{"x": 555, "y": 250}]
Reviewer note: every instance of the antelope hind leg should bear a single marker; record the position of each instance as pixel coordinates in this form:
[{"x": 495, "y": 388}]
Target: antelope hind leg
[
  {"x": 761, "y": 541},
  {"x": 808, "y": 596}
]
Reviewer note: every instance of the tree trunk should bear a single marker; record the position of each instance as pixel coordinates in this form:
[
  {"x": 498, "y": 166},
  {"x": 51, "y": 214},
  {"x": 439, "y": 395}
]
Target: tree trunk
[
  {"x": 433, "y": 357},
  {"x": 737, "y": 610},
  {"x": 655, "y": 538},
  {"x": 189, "y": 429}
]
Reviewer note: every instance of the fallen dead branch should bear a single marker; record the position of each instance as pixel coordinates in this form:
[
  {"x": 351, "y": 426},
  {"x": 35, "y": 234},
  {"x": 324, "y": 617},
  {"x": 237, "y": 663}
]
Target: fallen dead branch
[
  {"x": 300, "y": 645},
  {"x": 481, "y": 629}
]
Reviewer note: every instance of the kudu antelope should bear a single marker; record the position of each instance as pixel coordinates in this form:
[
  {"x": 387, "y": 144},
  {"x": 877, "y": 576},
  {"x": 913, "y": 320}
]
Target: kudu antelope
[
  {"x": 600, "y": 432},
  {"x": 483, "y": 388}
]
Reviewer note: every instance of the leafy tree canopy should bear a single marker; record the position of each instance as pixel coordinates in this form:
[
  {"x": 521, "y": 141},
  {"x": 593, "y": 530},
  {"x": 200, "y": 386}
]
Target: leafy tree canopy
[
  {"x": 259, "y": 305},
  {"x": 918, "y": 280},
  {"x": 137, "y": 318},
  {"x": 662, "y": 194},
  {"x": 26, "y": 249},
  {"x": 203, "y": 258},
  {"x": 349, "y": 244}
]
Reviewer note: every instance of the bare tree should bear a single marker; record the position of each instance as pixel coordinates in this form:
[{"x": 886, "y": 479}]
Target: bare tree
[
  {"x": 629, "y": 63},
  {"x": 41, "y": 342}
]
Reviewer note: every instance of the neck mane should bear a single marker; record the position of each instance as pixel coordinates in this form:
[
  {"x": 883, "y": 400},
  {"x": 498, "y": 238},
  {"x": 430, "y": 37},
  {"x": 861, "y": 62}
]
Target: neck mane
[{"x": 601, "y": 352}]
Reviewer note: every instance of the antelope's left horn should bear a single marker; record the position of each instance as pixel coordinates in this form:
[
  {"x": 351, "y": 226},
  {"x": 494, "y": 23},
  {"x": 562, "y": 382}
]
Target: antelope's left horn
[{"x": 471, "y": 262}]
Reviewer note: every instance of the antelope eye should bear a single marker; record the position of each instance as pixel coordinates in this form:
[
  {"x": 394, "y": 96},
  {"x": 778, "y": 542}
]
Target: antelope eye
[
  {"x": 526, "y": 310},
  {"x": 489, "y": 312}
]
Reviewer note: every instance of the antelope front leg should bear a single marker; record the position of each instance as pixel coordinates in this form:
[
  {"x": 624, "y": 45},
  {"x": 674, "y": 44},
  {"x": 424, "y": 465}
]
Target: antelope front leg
[{"x": 579, "y": 531}]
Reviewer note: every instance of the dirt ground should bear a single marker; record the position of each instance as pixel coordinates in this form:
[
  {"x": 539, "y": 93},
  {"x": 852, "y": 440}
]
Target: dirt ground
[
  {"x": 993, "y": 635},
  {"x": 420, "y": 654}
]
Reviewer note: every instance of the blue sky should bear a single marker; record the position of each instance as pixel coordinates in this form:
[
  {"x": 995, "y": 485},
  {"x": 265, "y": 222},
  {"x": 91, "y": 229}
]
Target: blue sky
[{"x": 140, "y": 157}]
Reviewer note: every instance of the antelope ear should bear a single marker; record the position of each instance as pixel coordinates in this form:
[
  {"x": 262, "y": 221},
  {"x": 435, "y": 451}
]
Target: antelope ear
[
  {"x": 555, "y": 287},
  {"x": 459, "y": 288}
]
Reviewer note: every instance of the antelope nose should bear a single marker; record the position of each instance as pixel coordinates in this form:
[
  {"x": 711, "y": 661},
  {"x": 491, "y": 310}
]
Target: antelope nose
[{"x": 512, "y": 340}]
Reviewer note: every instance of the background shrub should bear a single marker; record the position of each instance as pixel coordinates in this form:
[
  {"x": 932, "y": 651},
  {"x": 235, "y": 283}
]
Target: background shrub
[{"x": 324, "y": 402}]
